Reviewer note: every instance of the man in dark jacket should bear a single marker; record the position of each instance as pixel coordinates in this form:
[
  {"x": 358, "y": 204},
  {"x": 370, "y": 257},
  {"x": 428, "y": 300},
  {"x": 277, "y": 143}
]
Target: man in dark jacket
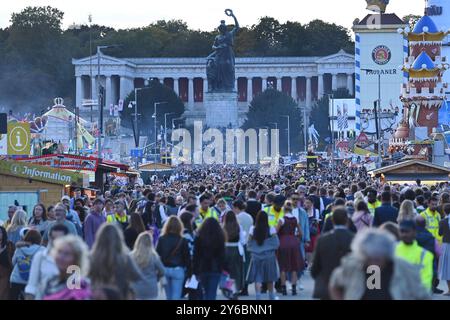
[
  {"x": 386, "y": 212},
  {"x": 331, "y": 247},
  {"x": 427, "y": 241},
  {"x": 253, "y": 205}
]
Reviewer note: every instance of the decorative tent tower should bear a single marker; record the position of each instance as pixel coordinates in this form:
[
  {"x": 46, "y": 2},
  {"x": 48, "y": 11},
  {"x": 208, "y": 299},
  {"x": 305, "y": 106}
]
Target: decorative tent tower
[{"x": 424, "y": 93}]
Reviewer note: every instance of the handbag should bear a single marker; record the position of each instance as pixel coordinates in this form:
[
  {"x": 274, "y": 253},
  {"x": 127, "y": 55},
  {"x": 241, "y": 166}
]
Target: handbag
[{"x": 228, "y": 286}]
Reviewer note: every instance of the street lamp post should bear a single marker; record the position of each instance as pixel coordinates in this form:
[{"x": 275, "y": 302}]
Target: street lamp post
[
  {"x": 165, "y": 128},
  {"x": 100, "y": 102},
  {"x": 156, "y": 133},
  {"x": 173, "y": 122},
  {"x": 289, "y": 134}
]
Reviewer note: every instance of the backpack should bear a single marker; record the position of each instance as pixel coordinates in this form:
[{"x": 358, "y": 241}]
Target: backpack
[{"x": 24, "y": 265}]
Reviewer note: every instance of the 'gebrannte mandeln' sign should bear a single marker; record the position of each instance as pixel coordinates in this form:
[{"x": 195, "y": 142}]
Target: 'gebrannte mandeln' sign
[{"x": 40, "y": 173}]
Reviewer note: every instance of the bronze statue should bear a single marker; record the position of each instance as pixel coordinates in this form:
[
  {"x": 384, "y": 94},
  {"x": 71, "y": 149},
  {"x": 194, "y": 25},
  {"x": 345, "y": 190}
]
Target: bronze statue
[{"x": 220, "y": 69}]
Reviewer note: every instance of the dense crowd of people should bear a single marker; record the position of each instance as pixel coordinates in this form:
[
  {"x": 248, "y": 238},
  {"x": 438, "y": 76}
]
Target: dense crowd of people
[{"x": 223, "y": 228}]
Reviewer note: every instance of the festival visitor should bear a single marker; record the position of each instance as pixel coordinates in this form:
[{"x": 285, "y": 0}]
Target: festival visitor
[
  {"x": 68, "y": 251},
  {"x": 400, "y": 280},
  {"x": 209, "y": 256},
  {"x": 262, "y": 245},
  {"x": 444, "y": 261},
  {"x": 234, "y": 247},
  {"x": 43, "y": 266},
  {"x": 331, "y": 248},
  {"x": 289, "y": 256},
  {"x": 60, "y": 218},
  {"x": 110, "y": 264},
  {"x": 15, "y": 227},
  {"x": 134, "y": 229},
  {"x": 6, "y": 253},
  {"x": 407, "y": 211},
  {"x": 93, "y": 222},
  {"x": 150, "y": 265},
  {"x": 409, "y": 250},
  {"x": 385, "y": 212},
  {"x": 38, "y": 220},
  {"x": 173, "y": 250},
  {"x": 362, "y": 219},
  {"x": 26, "y": 249}
]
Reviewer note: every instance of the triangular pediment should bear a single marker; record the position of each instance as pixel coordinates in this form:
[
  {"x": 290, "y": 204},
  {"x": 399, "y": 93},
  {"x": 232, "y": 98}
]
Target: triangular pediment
[
  {"x": 104, "y": 60},
  {"x": 340, "y": 57}
]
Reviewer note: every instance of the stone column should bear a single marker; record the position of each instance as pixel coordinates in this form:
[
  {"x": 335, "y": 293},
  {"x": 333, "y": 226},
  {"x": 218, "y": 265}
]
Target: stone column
[
  {"x": 249, "y": 89},
  {"x": 308, "y": 92},
  {"x": 334, "y": 82},
  {"x": 350, "y": 83},
  {"x": 94, "y": 91},
  {"x": 294, "y": 94},
  {"x": 205, "y": 87},
  {"x": 176, "y": 86},
  {"x": 109, "y": 93},
  {"x": 236, "y": 85},
  {"x": 125, "y": 87},
  {"x": 264, "y": 84},
  {"x": 279, "y": 84},
  {"x": 320, "y": 92},
  {"x": 191, "y": 93},
  {"x": 79, "y": 91}
]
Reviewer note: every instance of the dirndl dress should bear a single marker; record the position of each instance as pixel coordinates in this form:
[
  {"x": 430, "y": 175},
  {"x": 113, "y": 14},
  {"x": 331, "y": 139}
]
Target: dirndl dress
[{"x": 444, "y": 263}]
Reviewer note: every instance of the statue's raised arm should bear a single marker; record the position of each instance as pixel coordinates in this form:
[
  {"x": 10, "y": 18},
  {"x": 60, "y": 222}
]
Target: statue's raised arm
[{"x": 230, "y": 13}]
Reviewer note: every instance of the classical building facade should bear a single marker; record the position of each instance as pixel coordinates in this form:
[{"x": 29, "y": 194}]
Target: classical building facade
[{"x": 305, "y": 79}]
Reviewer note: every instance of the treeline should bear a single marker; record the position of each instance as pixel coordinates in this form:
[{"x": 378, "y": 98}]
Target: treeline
[{"x": 36, "y": 52}]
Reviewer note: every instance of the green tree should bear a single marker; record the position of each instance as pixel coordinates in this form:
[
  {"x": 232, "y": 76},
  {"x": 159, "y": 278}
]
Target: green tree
[
  {"x": 146, "y": 98},
  {"x": 35, "y": 64},
  {"x": 38, "y": 17},
  {"x": 411, "y": 20},
  {"x": 269, "y": 107}
]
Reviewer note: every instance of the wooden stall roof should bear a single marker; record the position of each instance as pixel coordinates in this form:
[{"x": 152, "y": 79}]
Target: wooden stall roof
[
  {"x": 155, "y": 166},
  {"x": 413, "y": 167}
]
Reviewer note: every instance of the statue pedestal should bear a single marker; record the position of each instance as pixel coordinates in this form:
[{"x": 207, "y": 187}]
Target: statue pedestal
[{"x": 221, "y": 109}]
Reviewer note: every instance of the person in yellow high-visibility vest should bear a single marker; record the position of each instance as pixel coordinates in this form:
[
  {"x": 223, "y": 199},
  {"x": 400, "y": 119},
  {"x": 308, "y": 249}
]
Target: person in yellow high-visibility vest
[
  {"x": 408, "y": 249},
  {"x": 432, "y": 217},
  {"x": 372, "y": 201},
  {"x": 119, "y": 216},
  {"x": 275, "y": 212},
  {"x": 205, "y": 211}
]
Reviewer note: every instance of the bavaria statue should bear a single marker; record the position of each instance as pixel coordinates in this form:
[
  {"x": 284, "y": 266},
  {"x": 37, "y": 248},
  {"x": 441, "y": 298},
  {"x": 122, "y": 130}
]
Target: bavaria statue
[{"x": 220, "y": 64}]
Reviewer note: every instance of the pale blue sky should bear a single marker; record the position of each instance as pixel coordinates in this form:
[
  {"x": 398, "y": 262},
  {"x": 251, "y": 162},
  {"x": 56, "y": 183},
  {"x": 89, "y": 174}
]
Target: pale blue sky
[{"x": 206, "y": 14}]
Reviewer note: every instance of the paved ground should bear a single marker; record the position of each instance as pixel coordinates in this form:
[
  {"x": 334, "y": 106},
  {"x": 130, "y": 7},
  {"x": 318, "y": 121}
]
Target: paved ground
[{"x": 305, "y": 294}]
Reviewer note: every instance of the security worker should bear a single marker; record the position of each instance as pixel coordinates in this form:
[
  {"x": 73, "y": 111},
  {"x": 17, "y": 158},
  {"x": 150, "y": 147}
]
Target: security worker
[
  {"x": 275, "y": 212},
  {"x": 409, "y": 250},
  {"x": 120, "y": 215},
  {"x": 205, "y": 211},
  {"x": 432, "y": 217},
  {"x": 372, "y": 201}
]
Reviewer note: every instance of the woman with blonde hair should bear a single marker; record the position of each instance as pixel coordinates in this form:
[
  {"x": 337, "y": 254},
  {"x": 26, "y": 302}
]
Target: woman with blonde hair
[
  {"x": 174, "y": 252},
  {"x": 110, "y": 263},
  {"x": 68, "y": 252},
  {"x": 407, "y": 211},
  {"x": 150, "y": 264},
  {"x": 18, "y": 222}
]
